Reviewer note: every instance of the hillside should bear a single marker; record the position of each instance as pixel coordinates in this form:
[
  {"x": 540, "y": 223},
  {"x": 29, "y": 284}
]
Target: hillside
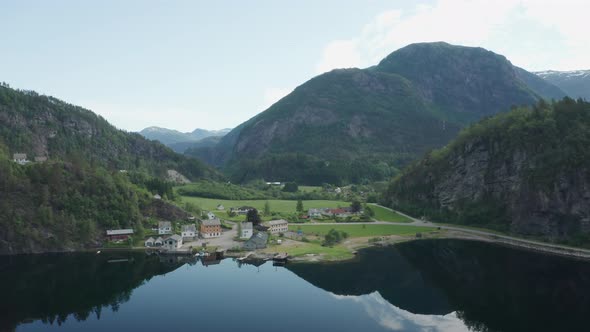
[
  {"x": 179, "y": 141},
  {"x": 95, "y": 177},
  {"x": 526, "y": 172},
  {"x": 356, "y": 125},
  {"x": 575, "y": 83},
  {"x": 45, "y": 126}
]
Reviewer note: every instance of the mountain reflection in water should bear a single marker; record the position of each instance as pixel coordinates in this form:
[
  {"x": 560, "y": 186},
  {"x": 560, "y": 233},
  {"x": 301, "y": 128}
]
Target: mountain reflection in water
[
  {"x": 427, "y": 285},
  {"x": 489, "y": 287}
]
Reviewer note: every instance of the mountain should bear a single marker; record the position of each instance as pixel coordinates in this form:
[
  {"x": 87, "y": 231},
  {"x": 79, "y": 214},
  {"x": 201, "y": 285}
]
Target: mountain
[
  {"x": 91, "y": 176},
  {"x": 45, "y": 126},
  {"x": 354, "y": 125},
  {"x": 177, "y": 140},
  {"x": 575, "y": 83},
  {"x": 526, "y": 172}
]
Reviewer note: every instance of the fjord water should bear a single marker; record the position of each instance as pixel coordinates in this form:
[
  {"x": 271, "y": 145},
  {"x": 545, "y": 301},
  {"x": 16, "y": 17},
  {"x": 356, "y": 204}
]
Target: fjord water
[{"x": 428, "y": 285}]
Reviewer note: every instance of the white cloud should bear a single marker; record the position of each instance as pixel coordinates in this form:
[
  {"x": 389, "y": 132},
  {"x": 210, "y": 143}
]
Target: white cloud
[
  {"x": 396, "y": 319},
  {"x": 536, "y": 34},
  {"x": 272, "y": 95},
  {"x": 339, "y": 54}
]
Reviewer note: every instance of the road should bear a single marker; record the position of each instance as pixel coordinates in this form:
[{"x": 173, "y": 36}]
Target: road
[{"x": 510, "y": 240}]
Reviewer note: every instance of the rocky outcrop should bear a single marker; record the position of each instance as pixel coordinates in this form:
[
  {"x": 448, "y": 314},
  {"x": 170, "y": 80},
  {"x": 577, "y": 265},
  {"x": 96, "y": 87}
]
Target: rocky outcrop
[{"x": 519, "y": 171}]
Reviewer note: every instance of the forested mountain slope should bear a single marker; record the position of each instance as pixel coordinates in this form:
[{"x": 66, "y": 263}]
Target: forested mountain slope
[
  {"x": 526, "y": 172},
  {"x": 355, "y": 125}
]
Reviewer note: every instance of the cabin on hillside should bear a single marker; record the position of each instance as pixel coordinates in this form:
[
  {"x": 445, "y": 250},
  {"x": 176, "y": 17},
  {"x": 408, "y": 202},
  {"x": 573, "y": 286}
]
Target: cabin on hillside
[
  {"x": 220, "y": 207},
  {"x": 20, "y": 158},
  {"x": 247, "y": 230},
  {"x": 278, "y": 226},
  {"x": 164, "y": 227},
  {"x": 156, "y": 196},
  {"x": 210, "y": 228},
  {"x": 257, "y": 241},
  {"x": 174, "y": 242},
  {"x": 119, "y": 234},
  {"x": 211, "y": 215}
]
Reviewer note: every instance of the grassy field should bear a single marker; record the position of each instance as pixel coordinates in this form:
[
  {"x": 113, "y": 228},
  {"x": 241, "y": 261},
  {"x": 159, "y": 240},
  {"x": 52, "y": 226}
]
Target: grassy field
[
  {"x": 383, "y": 214},
  {"x": 307, "y": 189},
  {"x": 362, "y": 230},
  {"x": 304, "y": 248},
  {"x": 279, "y": 206}
]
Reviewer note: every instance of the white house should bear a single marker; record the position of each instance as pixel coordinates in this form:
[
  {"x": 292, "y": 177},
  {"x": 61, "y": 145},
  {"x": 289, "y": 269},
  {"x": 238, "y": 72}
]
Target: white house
[
  {"x": 159, "y": 242},
  {"x": 241, "y": 210},
  {"x": 150, "y": 242},
  {"x": 278, "y": 226},
  {"x": 189, "y": 232},
  {"x": 173, "y": 243},
  {"x": 156, "y": 196},
  {"x": 164, "y": 227},
  {"x": 211, "y": 215},
  {"x": 220, "y": 207},
  {"x": 315, "y": 213},
  {"x": 20, "y": 158},
  {"x": 246, "y": 230}
]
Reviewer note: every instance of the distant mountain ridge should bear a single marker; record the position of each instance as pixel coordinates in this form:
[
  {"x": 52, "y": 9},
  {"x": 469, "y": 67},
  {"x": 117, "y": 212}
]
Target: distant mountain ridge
[
  {"x": 180, "y": 141},
  {"x": 576, "y": 83},
  {"x": 355, "y": 125}
]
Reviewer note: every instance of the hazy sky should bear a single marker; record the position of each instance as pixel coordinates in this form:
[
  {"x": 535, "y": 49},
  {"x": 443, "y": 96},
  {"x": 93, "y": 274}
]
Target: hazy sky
[{"x": 215, "y": 64}]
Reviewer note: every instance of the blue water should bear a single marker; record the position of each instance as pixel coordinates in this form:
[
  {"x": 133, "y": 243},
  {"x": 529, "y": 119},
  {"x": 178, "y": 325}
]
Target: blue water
[{"x": 421, "y": 286}]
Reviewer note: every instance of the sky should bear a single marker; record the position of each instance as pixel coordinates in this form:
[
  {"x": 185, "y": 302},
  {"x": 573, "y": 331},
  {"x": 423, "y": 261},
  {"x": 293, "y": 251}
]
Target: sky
[{"x": 214, "y": 64}]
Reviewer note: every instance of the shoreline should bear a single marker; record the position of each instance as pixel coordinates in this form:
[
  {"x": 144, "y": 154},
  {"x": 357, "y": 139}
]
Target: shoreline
[{"x": 354, "y": 244}]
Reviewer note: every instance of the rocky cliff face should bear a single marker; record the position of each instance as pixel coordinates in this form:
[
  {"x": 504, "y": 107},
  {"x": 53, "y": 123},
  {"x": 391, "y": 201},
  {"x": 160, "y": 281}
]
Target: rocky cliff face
[{"x": 518, "y": 172}]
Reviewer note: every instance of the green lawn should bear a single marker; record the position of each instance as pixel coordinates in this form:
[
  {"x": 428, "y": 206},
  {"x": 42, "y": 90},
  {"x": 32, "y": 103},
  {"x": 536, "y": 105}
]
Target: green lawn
[
  {"x": 383, "y": 214},
  {"x": 304, "y": 248},
  {"x": 362, "y": 230},
  {"x": 307, "y": 189},
  {"x": 279, "y": 206}
]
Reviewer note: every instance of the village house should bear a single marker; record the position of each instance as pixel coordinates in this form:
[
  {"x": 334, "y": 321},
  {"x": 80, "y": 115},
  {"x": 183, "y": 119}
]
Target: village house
[
  {"x": 119, "y": 234},
  {"x": 156, "y": 196},
  {"x": 246, "y": 230},
  {"x": 174, "y": 242},
  {"x": 189, "y": 232},
  {"x": 149, "y": 242},
  {"x": 243, "y": 210},
  {"x": 164, "y": 227},
  {"x": 315, "y": 213},
  {"x": 278, "y": 226},
  {"x": 211, "y": 228},
  {"x": 220, "y": 207},
  {"x": 257, "y": 241},
  {"x": 211, "y": 215},
  {"x": 20, "y": 158},
  {"x": 159, "y": 242}
]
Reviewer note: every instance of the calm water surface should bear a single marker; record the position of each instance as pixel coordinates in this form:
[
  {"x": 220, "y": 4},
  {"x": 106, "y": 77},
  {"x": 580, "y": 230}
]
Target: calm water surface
[{"x": 431, "y": 285}]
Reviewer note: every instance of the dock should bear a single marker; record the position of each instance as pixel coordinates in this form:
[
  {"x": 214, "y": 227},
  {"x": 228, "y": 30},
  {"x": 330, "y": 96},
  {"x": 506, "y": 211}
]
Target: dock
[{"x": 281, "y": 257}]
